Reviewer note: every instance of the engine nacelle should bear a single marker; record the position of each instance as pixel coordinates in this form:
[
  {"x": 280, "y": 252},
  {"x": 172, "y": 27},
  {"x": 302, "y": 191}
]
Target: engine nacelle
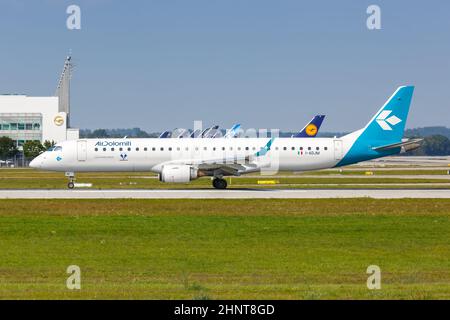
[{"x": 178, "y": 173}]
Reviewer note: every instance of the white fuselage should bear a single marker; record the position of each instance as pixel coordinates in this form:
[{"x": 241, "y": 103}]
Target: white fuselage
[{"x": 86, "y": 155}]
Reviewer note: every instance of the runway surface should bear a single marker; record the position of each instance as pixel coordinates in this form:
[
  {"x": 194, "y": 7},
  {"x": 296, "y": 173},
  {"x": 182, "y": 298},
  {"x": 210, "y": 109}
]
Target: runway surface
[{"x": 225, "y": 194}]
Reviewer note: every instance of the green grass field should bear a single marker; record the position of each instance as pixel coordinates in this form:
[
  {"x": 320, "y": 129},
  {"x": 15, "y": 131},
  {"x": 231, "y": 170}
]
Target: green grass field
[{"x": 225, "y": 249}]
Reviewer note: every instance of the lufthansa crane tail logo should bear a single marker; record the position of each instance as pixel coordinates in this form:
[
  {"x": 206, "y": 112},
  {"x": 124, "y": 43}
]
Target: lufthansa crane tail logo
[
  {"x": 311, "y": 130},
  {"x": 58, "y": 120}
]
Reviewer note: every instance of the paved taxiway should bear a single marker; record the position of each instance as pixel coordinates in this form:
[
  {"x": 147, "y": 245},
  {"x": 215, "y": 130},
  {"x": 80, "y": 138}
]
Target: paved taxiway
[{"x": 225, "y": 194}]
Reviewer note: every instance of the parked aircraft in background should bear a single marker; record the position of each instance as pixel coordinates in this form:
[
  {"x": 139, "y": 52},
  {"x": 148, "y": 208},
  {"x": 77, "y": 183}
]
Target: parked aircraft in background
[
  {"x": 183, "y": 160},
  {"x": 311, "y": 129},
  {"x": 233, "y": 131}
]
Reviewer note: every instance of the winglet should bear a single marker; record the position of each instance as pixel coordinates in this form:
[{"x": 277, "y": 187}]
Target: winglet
[{"x": 265, "y": 149}]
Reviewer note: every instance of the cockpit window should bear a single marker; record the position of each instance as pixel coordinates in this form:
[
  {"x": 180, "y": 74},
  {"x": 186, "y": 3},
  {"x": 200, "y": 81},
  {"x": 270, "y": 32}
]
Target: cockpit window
[{"x": 54, "y": 148}]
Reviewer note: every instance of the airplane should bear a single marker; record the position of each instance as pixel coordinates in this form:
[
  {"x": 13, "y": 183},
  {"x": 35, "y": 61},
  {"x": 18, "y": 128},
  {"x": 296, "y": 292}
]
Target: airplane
[
  {"x": 207, "y": 133},
  {"x": 165, "y": 135},
  {"x": 233, "y": 131},
  {"x": 311, "y": 129},
  {"x": 196, "y": 134},
  {"x": 183, "y": 160}
]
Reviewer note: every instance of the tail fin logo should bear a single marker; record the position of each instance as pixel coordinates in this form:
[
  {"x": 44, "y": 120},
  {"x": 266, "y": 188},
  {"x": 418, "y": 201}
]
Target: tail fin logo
[{"x": 387, "y": 123}]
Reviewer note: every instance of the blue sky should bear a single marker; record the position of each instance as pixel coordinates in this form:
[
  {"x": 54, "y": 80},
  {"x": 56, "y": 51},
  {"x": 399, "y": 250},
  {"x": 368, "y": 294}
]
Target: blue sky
[{"x": 266, "y": 64}]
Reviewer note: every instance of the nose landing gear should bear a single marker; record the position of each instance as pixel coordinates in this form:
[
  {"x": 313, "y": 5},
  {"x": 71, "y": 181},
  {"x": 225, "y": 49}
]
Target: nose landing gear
[
  {"x": 219, "y": 183},
  {"x": 71, "y": 176}
]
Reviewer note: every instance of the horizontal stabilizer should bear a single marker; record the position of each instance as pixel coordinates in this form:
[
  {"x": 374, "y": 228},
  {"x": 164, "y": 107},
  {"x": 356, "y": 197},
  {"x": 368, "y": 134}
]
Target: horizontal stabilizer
[{"x": 407, "y": 145}]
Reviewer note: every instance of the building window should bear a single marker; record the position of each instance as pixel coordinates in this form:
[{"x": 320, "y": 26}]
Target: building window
[{"x": 28, "y": 126}]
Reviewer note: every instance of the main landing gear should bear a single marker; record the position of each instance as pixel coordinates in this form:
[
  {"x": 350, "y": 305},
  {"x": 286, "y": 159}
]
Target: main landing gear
[
  {"x": 219, "y": 183},
  {"x": 71, "y": 176}
]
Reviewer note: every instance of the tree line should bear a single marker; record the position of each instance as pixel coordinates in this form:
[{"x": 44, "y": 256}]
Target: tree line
[{"x": 31, "y": 149}]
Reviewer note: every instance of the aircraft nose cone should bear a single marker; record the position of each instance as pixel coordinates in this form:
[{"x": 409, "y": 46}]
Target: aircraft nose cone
[{"x": 35, "y": 163}]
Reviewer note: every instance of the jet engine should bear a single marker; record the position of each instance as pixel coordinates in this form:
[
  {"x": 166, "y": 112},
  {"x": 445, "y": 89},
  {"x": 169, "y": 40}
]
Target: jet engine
[{"x": 178, "y": 173}]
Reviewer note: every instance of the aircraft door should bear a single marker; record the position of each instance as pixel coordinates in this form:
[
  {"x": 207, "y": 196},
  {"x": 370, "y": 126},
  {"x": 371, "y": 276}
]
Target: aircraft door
[
  {"x": 82, "y": 150},
  {"x": 337, "y": 149}
]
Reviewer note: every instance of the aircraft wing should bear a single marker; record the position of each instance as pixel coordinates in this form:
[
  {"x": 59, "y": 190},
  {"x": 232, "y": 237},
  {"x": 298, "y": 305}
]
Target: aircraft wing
[{"x": 225, "y": 166}]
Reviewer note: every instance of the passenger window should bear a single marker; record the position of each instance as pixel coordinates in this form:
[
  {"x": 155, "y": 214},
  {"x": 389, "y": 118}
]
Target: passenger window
[
  {"x": 96, "y": 149},
  {"x": 58, "y": 148},
  {"x": 120, "y": 149},
  {"x": 309, "y": 148},
  {"x": 104, "y": 149},
  {"x": 129, "y": 149},
  {"x": 170, "y": 149},
  {"x": 214, "y": 148},
  {"x": 112, "y": 149},
  {"x": 317, "y": 148},
  {"x": 205, "y": 148},
  {"x": 326, "y": 148},
  {"x": 162, "y": 149},
  {"x": 247, "y": 148},
  {"x": 145, "y": 149},
  {"x": 284, "y": 148},
  {"x": 137, "y": 149},
  {"x": 223, "y": 148},
  {"x": 293, "y": 148},
  {"x": 301, "y": 148}
]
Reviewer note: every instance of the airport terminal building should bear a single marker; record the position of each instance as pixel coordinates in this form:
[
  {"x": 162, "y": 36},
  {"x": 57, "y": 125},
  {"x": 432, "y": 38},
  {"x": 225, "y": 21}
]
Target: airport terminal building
[{"x": 24, "y": 118}]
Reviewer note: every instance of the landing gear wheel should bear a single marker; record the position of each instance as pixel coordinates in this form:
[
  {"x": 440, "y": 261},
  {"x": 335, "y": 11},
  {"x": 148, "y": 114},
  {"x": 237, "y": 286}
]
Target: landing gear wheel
[
  {"x": 219, "y": 183},
  {"x": 70, "y": 185}
]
